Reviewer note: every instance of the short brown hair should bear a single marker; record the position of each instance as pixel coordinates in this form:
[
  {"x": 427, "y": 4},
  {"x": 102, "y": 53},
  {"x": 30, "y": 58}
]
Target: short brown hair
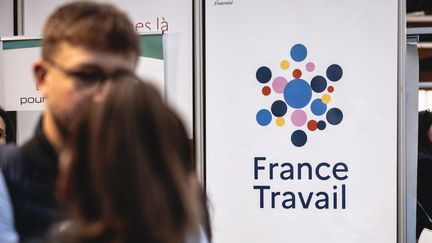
[{"x": 97, "y": 26}]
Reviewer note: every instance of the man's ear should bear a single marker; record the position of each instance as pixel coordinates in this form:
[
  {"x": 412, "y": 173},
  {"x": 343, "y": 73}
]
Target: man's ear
[{"x": 39, "y": 74}]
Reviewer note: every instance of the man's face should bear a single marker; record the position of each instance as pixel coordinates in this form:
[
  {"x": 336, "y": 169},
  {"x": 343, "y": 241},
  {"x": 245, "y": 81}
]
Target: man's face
[
  {"x": 73, "y": 77},
  {"x": 2, "y": 131}
]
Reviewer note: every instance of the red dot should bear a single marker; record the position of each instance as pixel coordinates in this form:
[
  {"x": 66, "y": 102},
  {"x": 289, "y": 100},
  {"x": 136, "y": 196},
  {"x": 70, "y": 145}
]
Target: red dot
[
  {"x": 312, "y": 125},
  {"x": 266, "y": 90},
  {"x": 330, "y": 89},
  {"x": 297, "y": 73}
]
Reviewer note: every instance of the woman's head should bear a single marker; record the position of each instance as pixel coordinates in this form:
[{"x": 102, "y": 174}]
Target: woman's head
[
  {"x": 7, "y": 131},
  {"x": 125, "y": 174}
]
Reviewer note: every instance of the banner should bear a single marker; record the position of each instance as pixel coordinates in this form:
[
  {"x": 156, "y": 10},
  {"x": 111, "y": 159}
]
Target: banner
[
  {"x": 173, "y": 17},
  {"x": 301, "y": 120},
  {"x": 17, "y": 54}
]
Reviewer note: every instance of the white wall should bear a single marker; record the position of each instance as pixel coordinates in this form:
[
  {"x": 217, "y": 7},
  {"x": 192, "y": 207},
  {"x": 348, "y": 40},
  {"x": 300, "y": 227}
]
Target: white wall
[{"x": 6, "y": 17}]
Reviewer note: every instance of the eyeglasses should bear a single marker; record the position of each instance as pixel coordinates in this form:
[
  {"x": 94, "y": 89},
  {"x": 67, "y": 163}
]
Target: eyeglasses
[{"x": 86, "y": 76}]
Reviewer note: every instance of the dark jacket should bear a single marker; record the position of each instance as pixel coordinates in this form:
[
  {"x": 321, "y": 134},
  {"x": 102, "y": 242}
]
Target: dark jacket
[
  {"x": 424, "y": 192},
  {"x": 31, "y": 173},
  {"x": 424, "y": 170}
]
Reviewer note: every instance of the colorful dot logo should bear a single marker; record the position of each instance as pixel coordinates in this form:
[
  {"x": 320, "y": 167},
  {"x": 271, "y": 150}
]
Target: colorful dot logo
[{"x": 304, "y": 103}]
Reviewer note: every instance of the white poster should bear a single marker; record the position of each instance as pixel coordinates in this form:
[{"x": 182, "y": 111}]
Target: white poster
[
  {"x": 301, "y": 120},
  {"x": 19, "y": 91},
  {"x": 17, "y": 55},
  {"x": 173, "y": 17}
]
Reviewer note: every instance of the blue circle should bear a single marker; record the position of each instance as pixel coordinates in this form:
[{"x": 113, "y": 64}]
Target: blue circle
[
  {"x": 318, "y": 84},
  {"x": 334, "y": 72},
  {"x": 297, "y": 93},
  {"x": 263, "y": 74},
  {"x": 334, "y": 116},
  {"x": 298, "y": 52},
  {"x": 321, "y": 125},
  {"x": 298, "y": 138},
  {"x": 263, "y": 117},
  {"x": 318, "y": 107},
  {"x": 279, "y": 108}
]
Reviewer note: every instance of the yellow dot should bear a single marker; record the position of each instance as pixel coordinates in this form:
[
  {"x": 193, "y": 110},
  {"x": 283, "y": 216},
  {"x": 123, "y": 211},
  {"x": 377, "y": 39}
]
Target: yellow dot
[
  {"x": 326, "y": 98},
  {"x": 280, "y": 121},
  {"x": 284, "y": 64}
]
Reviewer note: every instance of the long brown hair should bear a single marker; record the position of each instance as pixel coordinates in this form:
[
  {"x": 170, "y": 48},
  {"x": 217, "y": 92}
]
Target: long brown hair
[{"x": 126, "y": 182}]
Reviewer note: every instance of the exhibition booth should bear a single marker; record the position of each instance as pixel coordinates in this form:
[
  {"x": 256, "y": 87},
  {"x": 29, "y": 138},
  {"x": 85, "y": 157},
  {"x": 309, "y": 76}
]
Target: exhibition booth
[{"x": 303, "y": 113}]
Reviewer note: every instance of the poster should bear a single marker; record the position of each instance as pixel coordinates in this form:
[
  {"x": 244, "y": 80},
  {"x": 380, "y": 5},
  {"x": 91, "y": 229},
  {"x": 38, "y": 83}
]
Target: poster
[
  {"x": 301, "y": 120},
  {"x": 17, "y": 55}
]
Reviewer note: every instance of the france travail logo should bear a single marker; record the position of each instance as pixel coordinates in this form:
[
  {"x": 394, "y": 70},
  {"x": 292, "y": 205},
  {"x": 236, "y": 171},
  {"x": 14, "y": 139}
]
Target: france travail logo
[{"x": 299, "y": 96}]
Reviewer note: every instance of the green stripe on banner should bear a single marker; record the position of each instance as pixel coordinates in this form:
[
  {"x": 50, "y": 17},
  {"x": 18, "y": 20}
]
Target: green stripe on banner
[
  {"x": 19, "y": 44},
  {"x": 151, "y": 46}
]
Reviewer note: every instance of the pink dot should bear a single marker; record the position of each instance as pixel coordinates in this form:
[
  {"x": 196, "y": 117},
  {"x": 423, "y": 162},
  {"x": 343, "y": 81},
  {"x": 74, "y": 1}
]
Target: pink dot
[
  {"x": 310, "y": 66},
  {"x": 298, "y": 118},
  {"x": 279, "y": 84}
]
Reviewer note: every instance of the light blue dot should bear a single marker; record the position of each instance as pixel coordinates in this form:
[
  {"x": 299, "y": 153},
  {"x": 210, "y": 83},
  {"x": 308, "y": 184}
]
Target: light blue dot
[
  {"x": 318, "y": 107},
  {"x": 298, "y": 52},
  {"x": 263, "y": 117},
  {"x": 297, "y": 93}
]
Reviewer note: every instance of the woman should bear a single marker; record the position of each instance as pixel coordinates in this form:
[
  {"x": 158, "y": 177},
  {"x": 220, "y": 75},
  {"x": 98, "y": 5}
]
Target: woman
[
  {"x": 123, "y": 180},
  {"x": 424, "y": 169},
  {"x": 7, "y": 131}
]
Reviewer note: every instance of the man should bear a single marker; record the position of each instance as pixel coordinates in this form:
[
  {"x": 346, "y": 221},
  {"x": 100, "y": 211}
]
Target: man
[{"x": 83, "y": 44}]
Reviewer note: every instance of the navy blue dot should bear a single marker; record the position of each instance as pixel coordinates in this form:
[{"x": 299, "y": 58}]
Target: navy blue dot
[
  {"x": 263, "y": 74},
  {"x": 298, "y": 52},
  {"x": 263, "y": 117},
  {"x": 334, "y": 72},
  {"x": 279, "y": 108},
  {"x": 298, "y": 138},
  {"x": 321, "y": 125},
  {"x": 318, "y": 84},
  {"x": 334, "y": 116}
]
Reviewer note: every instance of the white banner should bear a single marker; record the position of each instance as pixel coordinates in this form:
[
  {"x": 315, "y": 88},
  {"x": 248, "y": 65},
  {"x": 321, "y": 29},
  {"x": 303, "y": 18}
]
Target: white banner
[
  {"x": 301, "y": 120},
  {"x": 19, "y": 91},
  {"x": 17, "y": 55},
  {"x": 174, "y": 17}
]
